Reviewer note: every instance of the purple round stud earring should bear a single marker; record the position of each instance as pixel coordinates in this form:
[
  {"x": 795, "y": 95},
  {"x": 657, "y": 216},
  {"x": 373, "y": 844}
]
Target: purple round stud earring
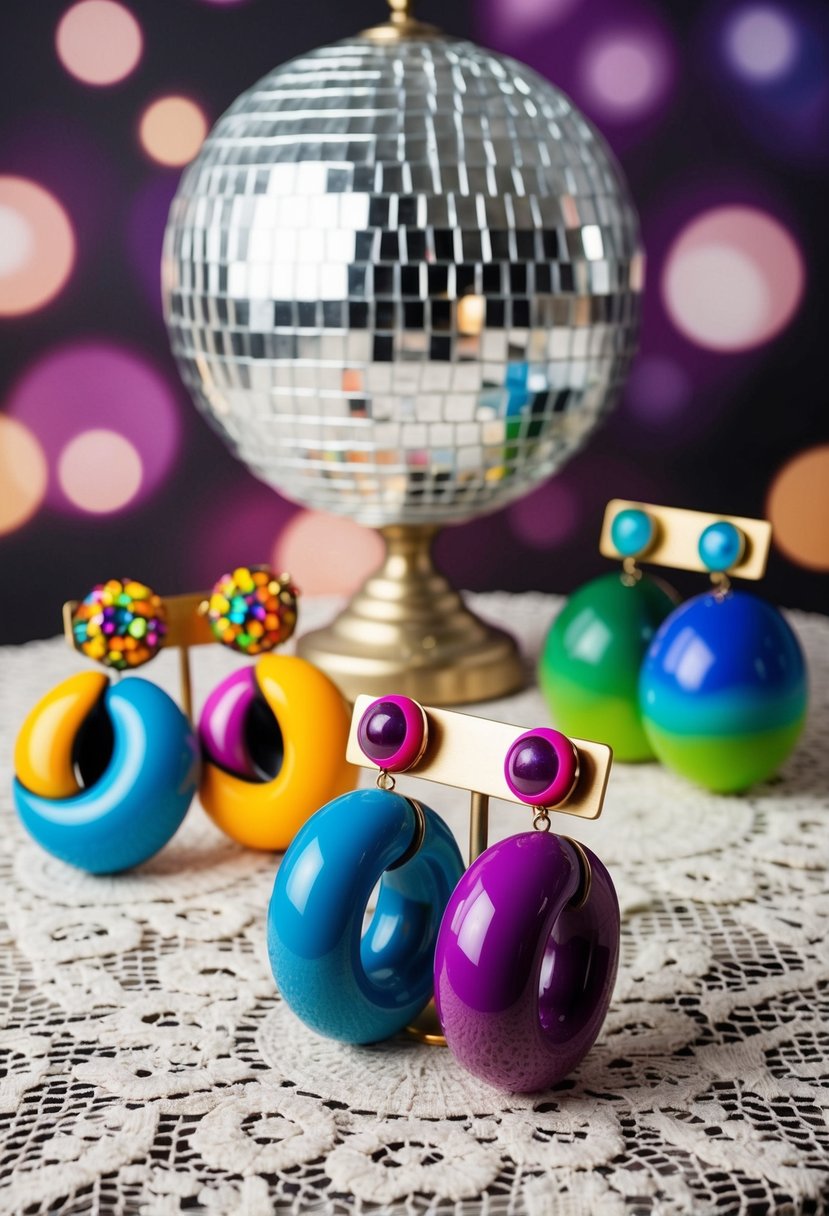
[
  {"x": 393, "y": 732},
  {"x": 542, "y": 767},
  {"x": 528, "y": 946}
]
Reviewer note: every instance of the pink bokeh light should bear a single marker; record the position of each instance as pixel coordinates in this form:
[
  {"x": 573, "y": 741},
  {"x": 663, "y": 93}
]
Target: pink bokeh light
[
  {"x": 625, "y": 75},
  {"x": 23, "y": 474},
  {"x": 327, "y": 554},
  {"x": 100, "y": 471},
  {"x": 37, "y": 246},
  {"x": 514, "y": 18},
  {"x": 732, "y": 279},
  {"x": 99, "y": 42},
  {"x": 92, "y": 386}
]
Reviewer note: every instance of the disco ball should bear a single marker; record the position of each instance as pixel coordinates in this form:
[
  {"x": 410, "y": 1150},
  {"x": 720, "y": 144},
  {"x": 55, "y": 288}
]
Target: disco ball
[{"x": 402, "y": 277}]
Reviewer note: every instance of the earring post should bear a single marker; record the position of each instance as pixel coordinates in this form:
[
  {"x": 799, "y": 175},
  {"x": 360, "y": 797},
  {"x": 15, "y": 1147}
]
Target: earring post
[
  {"x": 478, "y": 824},
  {"x": 185, "y": 681}
]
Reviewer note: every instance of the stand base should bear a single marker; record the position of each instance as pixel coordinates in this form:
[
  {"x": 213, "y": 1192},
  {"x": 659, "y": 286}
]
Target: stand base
[{"x": 408, "y": 631}]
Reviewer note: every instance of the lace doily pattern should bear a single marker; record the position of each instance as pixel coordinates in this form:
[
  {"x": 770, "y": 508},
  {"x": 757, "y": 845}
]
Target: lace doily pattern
[{"x": 148, "y": 1066}]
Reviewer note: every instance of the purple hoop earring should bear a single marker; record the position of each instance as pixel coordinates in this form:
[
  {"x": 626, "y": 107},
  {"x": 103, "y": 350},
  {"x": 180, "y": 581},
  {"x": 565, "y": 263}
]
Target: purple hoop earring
[
  {"x": 393, "y": 733},
  {"x": 528, "y": 947}
]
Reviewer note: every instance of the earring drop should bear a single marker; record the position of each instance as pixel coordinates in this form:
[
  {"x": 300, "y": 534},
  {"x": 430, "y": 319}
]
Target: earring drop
[
  {"x": 273, "y": 735},
  {"x": 723, "y": 688},
  {"x": 105, "y": 773},
  {"x": 589, "y": 667},
  {"x": 528, "y": 947},
  {"x": 345, "y": 983}
]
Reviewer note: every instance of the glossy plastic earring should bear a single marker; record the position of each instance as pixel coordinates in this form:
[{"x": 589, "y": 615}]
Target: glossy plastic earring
[
  {"x": 273, "y": 742},
  {"x": 527, "y": 951},
  {"x": 104, "y": 773},
  {"x": 349, "y": 984},
  {"x": 723, "y": 688},
  {"x": 589, "y": 667},
  {"x": 273, "y": 735}
]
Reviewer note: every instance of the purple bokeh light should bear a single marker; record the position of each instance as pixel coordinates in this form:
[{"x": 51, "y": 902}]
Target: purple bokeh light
[
  {"x": 762, "y": 42},
  {"x": 625, "y": 75},
  {"x": 768, "y": 61},
  {"x": 658, "y": 390},
  {"x": 548, "y": 516},
  {"x": 146, "y": 220},
  {"x": 98, "y": 385}
]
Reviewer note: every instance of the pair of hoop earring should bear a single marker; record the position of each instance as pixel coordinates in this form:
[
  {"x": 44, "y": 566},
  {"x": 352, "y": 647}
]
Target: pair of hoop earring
[
  {"x": 520, "y": 950},
  {"x": 105, "y": 773}
]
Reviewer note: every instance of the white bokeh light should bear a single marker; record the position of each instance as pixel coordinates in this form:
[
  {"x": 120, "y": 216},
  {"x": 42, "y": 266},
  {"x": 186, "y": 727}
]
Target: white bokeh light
[
  {"x": 100, "y": 471},
  {"x": 37, "y": 246},
  {"x": 762, "y": 42},
  {"x": 17, "y": 240},
  {"x": 732, "y": 279}
]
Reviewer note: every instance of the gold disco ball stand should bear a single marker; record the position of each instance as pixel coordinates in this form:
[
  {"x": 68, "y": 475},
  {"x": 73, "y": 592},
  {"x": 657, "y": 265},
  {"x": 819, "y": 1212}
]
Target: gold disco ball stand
[{"x": 402, "y": 279}]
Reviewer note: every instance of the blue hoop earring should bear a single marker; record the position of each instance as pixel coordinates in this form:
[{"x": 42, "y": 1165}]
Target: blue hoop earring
[
  {"x": 342, "y": 982},
  {"x": 104, "y": 773}
]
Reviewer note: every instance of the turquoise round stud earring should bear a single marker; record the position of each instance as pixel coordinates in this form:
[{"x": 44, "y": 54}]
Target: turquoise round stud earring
[
  {"x": 589, "y": 667},
  {"x": 721, "y": 546}
]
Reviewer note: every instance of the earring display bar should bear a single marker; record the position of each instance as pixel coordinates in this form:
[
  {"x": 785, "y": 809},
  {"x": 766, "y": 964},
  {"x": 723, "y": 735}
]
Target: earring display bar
[
  {"x": 677, "y": 537},
  {"x": 469, "y": 753}
]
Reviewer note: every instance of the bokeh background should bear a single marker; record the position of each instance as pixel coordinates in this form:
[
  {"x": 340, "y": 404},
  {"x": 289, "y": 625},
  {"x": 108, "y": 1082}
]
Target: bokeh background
[{"x": 719, "y": 113}]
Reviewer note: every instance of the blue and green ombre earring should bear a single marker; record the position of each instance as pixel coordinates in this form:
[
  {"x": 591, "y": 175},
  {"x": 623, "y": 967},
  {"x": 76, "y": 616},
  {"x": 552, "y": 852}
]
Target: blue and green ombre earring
[
  {"x": 723, "y": 688},
  {"x": 589, "y": 667}
]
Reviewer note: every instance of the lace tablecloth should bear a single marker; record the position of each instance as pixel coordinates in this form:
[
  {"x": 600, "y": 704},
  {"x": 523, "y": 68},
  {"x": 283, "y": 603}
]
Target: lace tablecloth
[{"x": 148, "y": 1065}]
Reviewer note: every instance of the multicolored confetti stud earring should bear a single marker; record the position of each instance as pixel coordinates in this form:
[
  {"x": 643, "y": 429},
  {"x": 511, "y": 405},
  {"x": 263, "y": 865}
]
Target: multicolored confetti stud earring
[
  {"x": 273, "y": 735},
  {"x": 104, "y": 773},
  {"x": 723, "y": 688},
  {"x": 589, "y": 667},
  {"x": 342, "y": 982},
  {"x": 527, "y": 951}
]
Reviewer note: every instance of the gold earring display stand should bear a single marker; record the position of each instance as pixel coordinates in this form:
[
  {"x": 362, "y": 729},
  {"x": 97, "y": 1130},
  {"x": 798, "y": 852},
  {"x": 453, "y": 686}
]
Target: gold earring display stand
[
  {"x": 677, "y": 536},
  {"x": 186, "y": 626},
  {"x": 408, "y": 629},
  {"x": 468, "y": 753}
]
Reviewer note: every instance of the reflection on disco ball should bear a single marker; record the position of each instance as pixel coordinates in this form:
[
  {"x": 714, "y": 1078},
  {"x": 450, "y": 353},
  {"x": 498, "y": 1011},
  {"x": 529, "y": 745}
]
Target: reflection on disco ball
[{"x": 403, "y": 279}]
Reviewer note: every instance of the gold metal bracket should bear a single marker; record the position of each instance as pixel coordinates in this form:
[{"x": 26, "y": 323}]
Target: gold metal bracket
[
  {"x": 677, "y": 535},
  {"x": 468, "y": 753}
]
